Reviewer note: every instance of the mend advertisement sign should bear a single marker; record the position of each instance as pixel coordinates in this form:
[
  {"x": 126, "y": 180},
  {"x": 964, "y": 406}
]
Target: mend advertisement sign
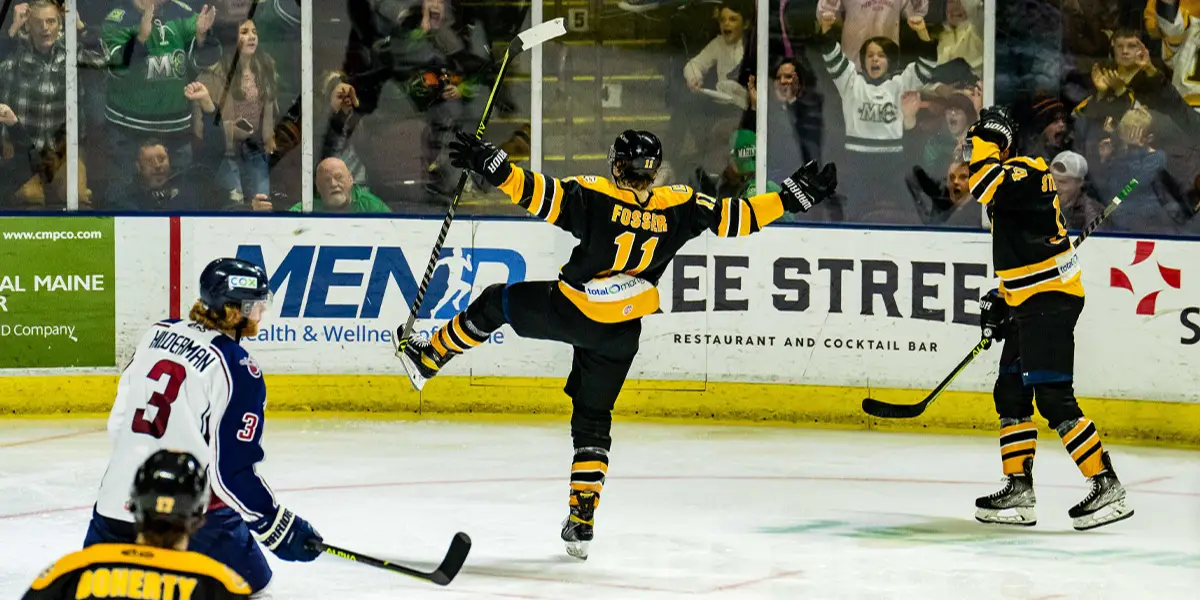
[{"x": 57, "y": 292}]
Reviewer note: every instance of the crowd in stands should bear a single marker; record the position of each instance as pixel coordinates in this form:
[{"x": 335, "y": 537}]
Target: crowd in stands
[{"x": 191, "y": 106}]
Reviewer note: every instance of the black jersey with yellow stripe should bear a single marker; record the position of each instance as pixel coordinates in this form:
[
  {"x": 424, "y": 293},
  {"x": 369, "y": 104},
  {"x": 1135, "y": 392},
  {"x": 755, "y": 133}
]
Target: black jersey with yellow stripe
[
  {"x": 619, "y": 234},
  {"x": 1030, "y": 246},
  {"x": 130, "y": 571}
]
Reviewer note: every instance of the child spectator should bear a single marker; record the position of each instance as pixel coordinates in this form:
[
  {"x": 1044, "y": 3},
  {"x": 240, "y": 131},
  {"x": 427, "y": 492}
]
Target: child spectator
[
  {"x": 962, "y": 35},
  {"x": 724, "y": 56},
  {"x": 1129, "y": 155}
]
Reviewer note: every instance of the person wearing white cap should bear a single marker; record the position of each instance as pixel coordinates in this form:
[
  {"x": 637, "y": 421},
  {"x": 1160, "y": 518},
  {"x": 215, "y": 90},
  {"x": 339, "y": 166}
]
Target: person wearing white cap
[{"x": 1078, "y": 208}]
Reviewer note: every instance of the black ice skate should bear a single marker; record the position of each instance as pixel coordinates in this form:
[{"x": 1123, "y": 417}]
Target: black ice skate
[
  {"x": 1013, "y": 505},
  {"x": 1104, "y": 504},
  {"x": 420, "y": 361},
  {"x": 577, "y": 529}
]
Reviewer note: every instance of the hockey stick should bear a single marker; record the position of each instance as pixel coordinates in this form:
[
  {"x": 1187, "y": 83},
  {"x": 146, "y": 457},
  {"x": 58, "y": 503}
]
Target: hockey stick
[
  {"x": 887, "y": 410},
  {"x": 534, "y": 36},
  {"x": 460, "y": 546}
]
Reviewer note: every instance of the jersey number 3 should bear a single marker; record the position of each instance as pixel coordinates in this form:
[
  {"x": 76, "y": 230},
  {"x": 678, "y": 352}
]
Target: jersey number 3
[{"x": 175, "y": 374}]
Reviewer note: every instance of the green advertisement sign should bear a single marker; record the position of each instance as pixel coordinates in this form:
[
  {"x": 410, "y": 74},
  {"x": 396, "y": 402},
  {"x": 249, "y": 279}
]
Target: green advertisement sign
[{"x": 57, "y": 292}]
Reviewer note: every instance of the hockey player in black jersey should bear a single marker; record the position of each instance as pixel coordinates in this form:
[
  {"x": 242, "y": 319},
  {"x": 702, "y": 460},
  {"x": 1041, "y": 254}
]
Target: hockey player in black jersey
[
  {"x": 628, "y": 232},
  {"x": 1034, "y": 311},
  {"x": 169, "y": 497}
]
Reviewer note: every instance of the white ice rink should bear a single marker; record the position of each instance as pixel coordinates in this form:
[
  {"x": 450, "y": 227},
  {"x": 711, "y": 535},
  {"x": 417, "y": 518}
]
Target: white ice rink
[{"x": 689, "y": 512}]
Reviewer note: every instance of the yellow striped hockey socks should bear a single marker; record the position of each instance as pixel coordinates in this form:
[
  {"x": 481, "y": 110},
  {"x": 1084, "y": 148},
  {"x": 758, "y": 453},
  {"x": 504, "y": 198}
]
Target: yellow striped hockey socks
[
  {"x": 457, "y": 337},
  {"x": 587, "y": 472},
  {"x": 1017, "y": 441},
  {"x": 1083, "y": 444}
]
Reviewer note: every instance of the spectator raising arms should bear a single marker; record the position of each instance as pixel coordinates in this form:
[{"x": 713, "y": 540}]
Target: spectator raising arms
[
  {"x": 866, "y": 19},
  {"x": 871, "y": 102},
  {"x": 151, "y": 60},
  {"x": 242, "y": 87},
  {"x": 339, "y": 194}
]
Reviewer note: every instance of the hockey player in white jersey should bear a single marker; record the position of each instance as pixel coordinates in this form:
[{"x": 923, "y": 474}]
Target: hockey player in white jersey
[{"x": 192, "y": 387}]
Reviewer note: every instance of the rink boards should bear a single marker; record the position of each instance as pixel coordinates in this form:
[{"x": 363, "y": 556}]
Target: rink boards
[{"x": 794, "y": 324}]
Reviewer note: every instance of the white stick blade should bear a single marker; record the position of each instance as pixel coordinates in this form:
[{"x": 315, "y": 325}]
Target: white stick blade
[{"x": 542, "y": 33}]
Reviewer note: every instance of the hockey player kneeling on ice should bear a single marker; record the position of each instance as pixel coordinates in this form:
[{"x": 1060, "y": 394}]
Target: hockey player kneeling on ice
[
  {"x": 629, "y": 231},
  {"x": 191, "y": 386},
  {"x": 169, "y": 496},
  {"x": 1034, "y": 312}
]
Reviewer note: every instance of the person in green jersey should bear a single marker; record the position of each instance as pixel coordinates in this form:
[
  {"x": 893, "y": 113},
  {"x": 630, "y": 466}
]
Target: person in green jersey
[{"x": 337, "y": 192}]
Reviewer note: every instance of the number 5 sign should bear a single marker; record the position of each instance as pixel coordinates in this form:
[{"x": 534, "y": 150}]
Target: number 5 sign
[{"x": 577, "y": 19}]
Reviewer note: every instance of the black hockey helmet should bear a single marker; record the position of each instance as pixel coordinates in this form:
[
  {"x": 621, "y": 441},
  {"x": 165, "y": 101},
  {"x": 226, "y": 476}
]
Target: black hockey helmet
[
  {"x": 234, "y": 281},
  {"x": 636, "y": 155},
  {"x": 170, "y": 489}
]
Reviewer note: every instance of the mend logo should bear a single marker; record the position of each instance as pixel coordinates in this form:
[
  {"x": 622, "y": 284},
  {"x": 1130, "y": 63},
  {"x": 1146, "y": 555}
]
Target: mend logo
[
  {"x": 304, "y": 277},
  {"x": 1171, "y": 277}
]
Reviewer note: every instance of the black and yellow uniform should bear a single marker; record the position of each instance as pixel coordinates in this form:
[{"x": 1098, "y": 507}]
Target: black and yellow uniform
[
  {"x": 1040, "y": 278},
  {"x": 624, "y": 249},
  {"x": 132, "y": 571}
]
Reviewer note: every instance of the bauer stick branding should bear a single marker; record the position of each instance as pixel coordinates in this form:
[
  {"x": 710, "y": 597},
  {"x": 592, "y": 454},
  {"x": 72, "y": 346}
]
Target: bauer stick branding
[{"x": 887, "y": 410}]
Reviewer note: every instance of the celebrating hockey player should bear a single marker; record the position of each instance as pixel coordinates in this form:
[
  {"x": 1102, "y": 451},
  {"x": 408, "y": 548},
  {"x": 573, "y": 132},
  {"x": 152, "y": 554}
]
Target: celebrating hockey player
[
  {"x": 191, "y": 386},
  {"x": 1034, "y": 311},
  {"x": 629, "y": 231},
  {"x": 169, "y": 497}
]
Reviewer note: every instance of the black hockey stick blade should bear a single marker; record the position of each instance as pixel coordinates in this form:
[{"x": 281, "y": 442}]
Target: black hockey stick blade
[
  {"x": 460, "y": 547},
  {"x": 887, "y": 410}
]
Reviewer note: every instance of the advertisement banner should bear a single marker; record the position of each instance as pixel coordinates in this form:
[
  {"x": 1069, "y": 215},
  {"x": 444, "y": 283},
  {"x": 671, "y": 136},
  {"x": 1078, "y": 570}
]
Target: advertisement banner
[
  {"x": 804, "y": 305},
  {"x": 57, "y": 292}
]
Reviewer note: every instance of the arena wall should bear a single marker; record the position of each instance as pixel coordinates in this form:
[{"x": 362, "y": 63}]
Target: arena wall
[{"x": 793, "y": 325}]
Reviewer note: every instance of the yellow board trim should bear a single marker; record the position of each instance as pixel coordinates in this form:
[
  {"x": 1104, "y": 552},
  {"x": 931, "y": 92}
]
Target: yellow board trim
[{"x": 516, "y": 398}]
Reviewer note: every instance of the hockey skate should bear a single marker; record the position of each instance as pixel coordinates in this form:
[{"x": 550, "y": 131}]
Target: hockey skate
[
  {"x": 1013, "y": 505},
  {"x": 420, "y": 361},
  {"x": 1104, "y": 504},
  {"x": 577, "y": 528}
]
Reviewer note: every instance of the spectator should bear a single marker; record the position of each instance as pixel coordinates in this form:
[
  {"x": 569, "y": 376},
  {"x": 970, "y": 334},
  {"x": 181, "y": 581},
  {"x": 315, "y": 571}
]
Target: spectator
[
  {"x": 946, "y": 145},
  {"x": 793, "y": 119},
  {"x": 1129, "y": 155},
  {"x": 871, "y": 101},
  {"x": 247, "y": 114},
  {"x": 867, "y": 19},
  {"x": 1078, "y": 207},
  {"x": 153, "y": 186},
  {"x": 1171, "y": 43},
  {"x": 947, "y": 202},
  {"x": 1048, "y": 134},
  {"x": 33, "y": 84},
  {"x": 724, "y": 56},
  {"x": 151, "y": 60},
  {"x": 962, "y": 35},
  {"x": 737, "y": 180},
  {"x": 339, "y": 194}
]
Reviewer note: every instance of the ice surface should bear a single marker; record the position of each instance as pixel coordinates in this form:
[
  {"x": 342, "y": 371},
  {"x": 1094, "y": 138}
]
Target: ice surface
[{"x": 689, "y": 511}]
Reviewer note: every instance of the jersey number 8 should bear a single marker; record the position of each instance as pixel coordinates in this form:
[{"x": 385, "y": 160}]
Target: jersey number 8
[{"x": 157, "y": 427}]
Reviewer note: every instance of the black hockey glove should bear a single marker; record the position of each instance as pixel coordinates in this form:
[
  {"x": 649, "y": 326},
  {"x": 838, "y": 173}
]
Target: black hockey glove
[
  {"x": 995, "y": 125},
  {"x": 287, "y": 535},
  {"x": 468, "y": 152},
  {"x": 995, "y": 317},
  {"x": 807, "y": 188}
]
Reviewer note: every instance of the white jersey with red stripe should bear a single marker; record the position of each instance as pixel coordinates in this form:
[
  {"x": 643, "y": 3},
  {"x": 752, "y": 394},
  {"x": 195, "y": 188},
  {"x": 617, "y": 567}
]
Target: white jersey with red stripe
[{"x": 197, "y": 390}]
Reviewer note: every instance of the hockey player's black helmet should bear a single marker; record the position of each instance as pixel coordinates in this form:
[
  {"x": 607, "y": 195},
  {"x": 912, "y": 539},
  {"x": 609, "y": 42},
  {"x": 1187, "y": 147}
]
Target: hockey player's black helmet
[
  {"x": 636, "y": 155},
  {"x": 170, "y": 489},
  {"x": 234, "y": 281}
]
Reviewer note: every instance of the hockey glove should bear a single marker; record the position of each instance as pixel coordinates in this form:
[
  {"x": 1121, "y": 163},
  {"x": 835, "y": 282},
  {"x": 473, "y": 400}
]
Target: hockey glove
[
  {"x": 807, "y": 188},
  {"x": 471, "y": 153},
  {"x": 995, "y": 317},
  {"x": 995, "y": 125},
  {"x": 287, "y": 535}
]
